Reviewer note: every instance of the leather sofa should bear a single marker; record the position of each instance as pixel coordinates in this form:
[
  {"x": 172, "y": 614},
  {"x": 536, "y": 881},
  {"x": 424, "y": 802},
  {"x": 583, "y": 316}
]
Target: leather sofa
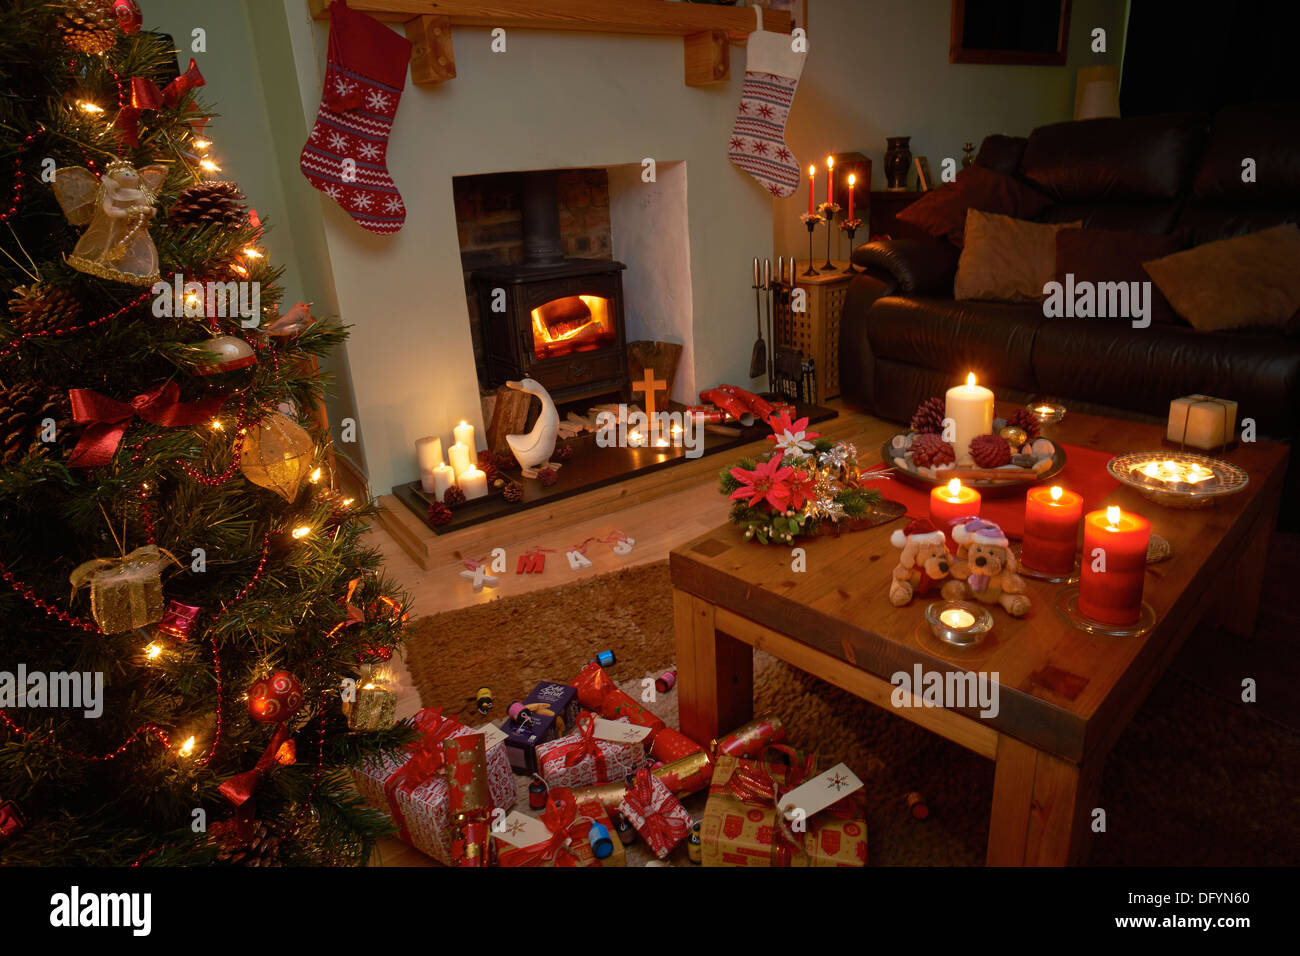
[{"x": 904, "y": 338}]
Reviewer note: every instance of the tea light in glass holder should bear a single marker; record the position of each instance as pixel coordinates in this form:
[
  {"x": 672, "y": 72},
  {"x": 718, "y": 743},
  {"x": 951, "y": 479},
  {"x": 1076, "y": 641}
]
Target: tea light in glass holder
[
  {"x": 1048, "y": 411},
  {"x": 958, "y": 623}
]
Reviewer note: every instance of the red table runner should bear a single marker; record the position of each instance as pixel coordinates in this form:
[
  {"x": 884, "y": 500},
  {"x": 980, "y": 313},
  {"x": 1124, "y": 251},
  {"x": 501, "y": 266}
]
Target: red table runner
[{"x": 1084, "y": 472}]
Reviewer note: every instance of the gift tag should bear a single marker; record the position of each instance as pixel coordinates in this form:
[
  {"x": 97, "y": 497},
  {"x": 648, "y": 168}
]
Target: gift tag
[
  {"x": 821, "y": 791},
  {"x": 521, "y": 830},
  {"x": 492, "y": 735},
  {"x": 618, "y": 732}
]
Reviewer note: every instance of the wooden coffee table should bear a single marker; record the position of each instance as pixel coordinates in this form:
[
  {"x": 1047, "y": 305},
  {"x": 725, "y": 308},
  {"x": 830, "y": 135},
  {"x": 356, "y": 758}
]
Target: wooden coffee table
[{"x": 1065, "y": 696}]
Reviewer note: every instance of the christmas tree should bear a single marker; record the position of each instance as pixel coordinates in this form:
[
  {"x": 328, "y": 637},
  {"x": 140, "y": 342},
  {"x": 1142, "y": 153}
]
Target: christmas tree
[{"x": 162, "y": 461}]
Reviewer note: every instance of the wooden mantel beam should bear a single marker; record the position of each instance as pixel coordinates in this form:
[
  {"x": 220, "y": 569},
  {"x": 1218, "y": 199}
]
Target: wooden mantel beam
[{"x": 646, "y": 17}]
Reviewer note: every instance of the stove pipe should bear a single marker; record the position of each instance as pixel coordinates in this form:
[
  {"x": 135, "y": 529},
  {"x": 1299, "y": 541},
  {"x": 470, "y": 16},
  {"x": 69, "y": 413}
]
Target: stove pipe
[{"x": 541, "y": 219}]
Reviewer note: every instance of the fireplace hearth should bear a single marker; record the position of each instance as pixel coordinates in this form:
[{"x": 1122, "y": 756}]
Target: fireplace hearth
[{"x": 556, "y": 320}]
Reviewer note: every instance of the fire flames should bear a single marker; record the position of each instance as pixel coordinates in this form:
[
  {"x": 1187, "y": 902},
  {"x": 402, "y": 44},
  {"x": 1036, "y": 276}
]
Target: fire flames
[{"x": 574, "y": 323}]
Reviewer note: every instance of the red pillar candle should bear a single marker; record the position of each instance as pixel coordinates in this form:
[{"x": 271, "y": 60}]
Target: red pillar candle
[
  {"x": 1051, "y": 530},
  {"x": 1116, "y": 541},
  {"x": 812, "y": 176},
  {"x": 950, "y": 502}
]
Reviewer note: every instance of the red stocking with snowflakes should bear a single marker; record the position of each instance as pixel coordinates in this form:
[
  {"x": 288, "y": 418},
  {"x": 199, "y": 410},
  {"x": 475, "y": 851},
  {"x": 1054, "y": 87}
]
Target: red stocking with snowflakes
[
  {"x": 345, "y": 152},
  {"x": 757, "y": 146}
]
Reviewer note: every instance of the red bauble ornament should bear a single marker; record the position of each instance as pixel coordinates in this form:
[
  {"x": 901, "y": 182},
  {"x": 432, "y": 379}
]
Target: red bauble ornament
[
  {"x": 274, "y": 699},
  {"x": 128, "y": 16}
]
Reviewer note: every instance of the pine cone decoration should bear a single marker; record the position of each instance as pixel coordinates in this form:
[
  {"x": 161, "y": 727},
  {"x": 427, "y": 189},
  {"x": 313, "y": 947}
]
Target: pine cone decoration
[
  {"x": 88, "y": 26},
  {"x": 505, "y": 461},
  {"x": 563, "y": 453},
  {"x": 513, "y": 491},
  {"x": 453, "y": 496},
  {"x": 547, "y": 477},
  {"x": 487, "y": 467},
  {"x": 43, "y": 309},
  {"x": 928, "y": 417},
  {"x": 990, "y": 451},
  {"x": 439, "y": 514},
  {"x": 1023, "y": 419},
  {"x": 929, "y": 450},
  {"x": 261, "y": 849},
  {"x": 205, "y": 203},
  {"x": 23, "y": 409}
]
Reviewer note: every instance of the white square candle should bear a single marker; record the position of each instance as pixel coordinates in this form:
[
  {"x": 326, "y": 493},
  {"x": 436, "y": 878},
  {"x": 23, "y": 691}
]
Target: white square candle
[{"x": 1201, "y": 421}]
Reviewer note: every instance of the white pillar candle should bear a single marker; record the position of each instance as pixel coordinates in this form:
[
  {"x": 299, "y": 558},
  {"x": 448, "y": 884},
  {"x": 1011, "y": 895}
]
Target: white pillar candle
[
  {"x": 464, "y": 433},
  {"x": 437, "y": 480},
  {"x": 473, "y": 482},
  {"x": 428, "y": 452},
  {"x": 459, "y": 456},
  {"x": 970, "y": 407}
]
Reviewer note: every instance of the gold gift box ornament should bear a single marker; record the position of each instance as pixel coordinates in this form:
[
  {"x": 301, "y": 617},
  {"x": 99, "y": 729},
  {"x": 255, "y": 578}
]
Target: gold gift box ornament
[
  {"x": 376, "y": 705},
  {"x": 126, "y": 592}
]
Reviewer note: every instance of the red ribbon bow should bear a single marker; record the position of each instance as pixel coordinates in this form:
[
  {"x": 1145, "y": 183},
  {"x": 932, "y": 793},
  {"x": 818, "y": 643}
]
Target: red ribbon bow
[
  {"x": 426, "y": 760},
  {"x": 561, "y": 818},
  {"x": 584, "y": 746},
  {"x": 145, "y": 95},
  {"x": 108, "y": 418},
  {"x": 239, "y": 789},
  {"x": 752, "y": 782},
  {"x": 661, "y": 827}
]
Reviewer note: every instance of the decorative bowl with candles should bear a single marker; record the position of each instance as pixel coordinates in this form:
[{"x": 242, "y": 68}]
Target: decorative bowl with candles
[
  {"x": 1178, "y": 479},
  {"x": 1039, "y": 461}
]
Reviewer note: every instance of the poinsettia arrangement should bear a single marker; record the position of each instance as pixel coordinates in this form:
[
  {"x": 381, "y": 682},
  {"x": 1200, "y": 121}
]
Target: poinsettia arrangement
[{"x": 803, "y": 482}]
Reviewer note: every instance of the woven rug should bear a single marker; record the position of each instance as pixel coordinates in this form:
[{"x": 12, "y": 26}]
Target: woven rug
[{"x": 1196, "y": 779}]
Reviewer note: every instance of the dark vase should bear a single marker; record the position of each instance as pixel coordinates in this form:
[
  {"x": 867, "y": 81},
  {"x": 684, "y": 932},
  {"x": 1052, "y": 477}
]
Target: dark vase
[{"x": 898, "y": 159}]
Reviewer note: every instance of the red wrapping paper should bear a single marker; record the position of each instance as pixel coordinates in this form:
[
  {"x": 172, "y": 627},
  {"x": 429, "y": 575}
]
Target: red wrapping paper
[
  {"x": 670, "y": 745},
  {"x": 581, "y": 760},
  {"x": 655, "y": 813},
  {"x": 751, "y": 739},
  {"x": 569, "y": 819},
  {"x": 596, "y": 691}
]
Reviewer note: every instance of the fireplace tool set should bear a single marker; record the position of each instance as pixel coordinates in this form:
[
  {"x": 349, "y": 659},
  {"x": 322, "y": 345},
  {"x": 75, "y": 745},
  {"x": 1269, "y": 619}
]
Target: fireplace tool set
[{"x": 788, "y": 373}]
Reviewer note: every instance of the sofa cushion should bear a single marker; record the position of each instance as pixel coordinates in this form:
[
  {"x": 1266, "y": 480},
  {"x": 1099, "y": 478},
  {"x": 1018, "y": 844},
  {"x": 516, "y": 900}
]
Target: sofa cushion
[
  {"x": 1005, "y": 259},
  {"x": 942, "y": 212},
  {"x": 1001, "y": 153},
  {"x": 1251, "y": 280},
  {"x": 1113, "y": 255},
  {"x": 1114, "y": 160},
  {"x": 1145, "y": 369},
  {"x": 992, "y": 339},
  {"x": 1158, "y": 216}
]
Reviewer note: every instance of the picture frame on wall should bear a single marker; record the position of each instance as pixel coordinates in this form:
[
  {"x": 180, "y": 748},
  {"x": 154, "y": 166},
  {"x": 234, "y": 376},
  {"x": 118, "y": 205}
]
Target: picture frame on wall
[{"x": 1019, "y": 32}]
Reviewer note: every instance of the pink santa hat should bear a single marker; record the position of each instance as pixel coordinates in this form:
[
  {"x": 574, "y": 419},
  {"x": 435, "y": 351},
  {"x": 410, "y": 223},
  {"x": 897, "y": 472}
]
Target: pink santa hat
[
  {"x": 979, "y": 531},
  {"x": 919, "y": 530}
]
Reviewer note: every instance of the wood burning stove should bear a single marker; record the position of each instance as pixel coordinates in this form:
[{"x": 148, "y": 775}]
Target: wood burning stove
[{"x": 556, "y": 320}]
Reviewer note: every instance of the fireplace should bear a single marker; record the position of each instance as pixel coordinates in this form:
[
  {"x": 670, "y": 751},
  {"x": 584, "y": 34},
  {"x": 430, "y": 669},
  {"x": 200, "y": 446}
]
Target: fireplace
[{"x": 553, "y": 319}]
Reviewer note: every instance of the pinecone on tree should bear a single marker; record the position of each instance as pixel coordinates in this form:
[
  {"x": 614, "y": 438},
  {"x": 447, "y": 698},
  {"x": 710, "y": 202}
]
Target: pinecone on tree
[
  {"x": 513, "y": 491},
  {"x": 260, "y": 849},
  {"x": 23, "y": 408},
  {"x": 42, "y": 309},
  {"x": 928, "y": 417},
  {"x": 88, "y": 26},
  {"x": 1024, "y": 420},
  {"x": 205, "y": 203}
]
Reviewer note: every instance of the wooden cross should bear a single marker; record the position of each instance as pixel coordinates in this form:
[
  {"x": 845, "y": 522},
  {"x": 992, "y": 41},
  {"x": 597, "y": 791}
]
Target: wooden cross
[{"x": 650, "y": 386}]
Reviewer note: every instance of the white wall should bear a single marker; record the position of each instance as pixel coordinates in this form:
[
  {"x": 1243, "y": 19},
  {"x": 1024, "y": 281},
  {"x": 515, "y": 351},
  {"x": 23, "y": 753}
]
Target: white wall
[{"x": 649, "y": 233}]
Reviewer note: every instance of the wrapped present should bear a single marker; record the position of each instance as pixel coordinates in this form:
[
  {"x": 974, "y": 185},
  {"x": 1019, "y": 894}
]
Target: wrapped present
[
  {"x": 686, "y": 775},
  {"x": 569, "y": 821},
  {"x": 751, "y": 739},
  {"x": 558, "y": 700},
  {"x": 412, "y": 784},
  {"x": 598, "y": 692},
  {"x": 582, "y": 759},
  {"x": 125, "y": 593},
  {"x": 524, "y": 736},
  {"x": 670, "y": 745},
  {"x": 655, "y": 813},
  {"x": 743, "y": 827}
]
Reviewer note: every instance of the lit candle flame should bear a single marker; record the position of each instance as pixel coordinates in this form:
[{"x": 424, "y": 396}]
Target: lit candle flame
[
  {"x": 1056, "y": 492},
  {"x": 812, "y": 171},
  {"x": 852, "y": 179},
  {"x": 830, "y": 163},
  {"x": 954, "y": 488},
  {"x": 1112, "y": 516},
  {"x": 970, "y": 380}
]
